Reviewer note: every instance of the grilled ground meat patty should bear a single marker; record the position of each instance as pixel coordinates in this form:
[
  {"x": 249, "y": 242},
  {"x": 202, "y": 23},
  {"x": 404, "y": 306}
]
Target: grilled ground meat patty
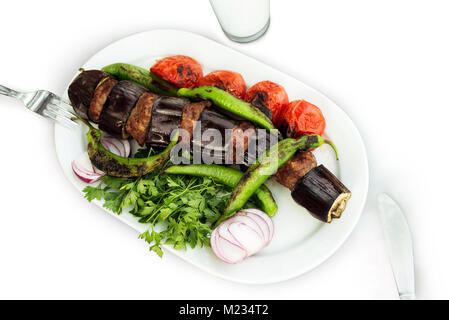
[
  {"x": 295, "y": 168},
  {"x": 191, "y": 113},
  {"x": 100, "y": 97},
  {"x": 239, "y": 141},
  {"x": 140, "y": 117}
]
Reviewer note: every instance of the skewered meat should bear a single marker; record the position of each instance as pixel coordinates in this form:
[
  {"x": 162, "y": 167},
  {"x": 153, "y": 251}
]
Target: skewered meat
[
  {"x": 100, "y": 97},
  {"x": 140, "y": 117},
  {"x": 191, "y": 112},
  {"x": 298, "y": 166}
]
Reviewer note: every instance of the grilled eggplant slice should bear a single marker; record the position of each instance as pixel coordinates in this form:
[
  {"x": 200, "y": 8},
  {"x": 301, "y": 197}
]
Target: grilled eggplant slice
[
  {"x": 166, "y": 116},
  {"x": 100, "y": 97},
  {"x": 81, "y": 90},
  {"x": 320, "y": 192},
  {"x": 121, "y": 101},
  {"x": 214, "y": 120},
  {"x": 139, "y": 120}
]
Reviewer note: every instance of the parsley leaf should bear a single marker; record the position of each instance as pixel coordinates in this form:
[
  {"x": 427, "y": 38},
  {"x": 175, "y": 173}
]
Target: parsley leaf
[
  {"x": 92, "y": 193},
  {"x": 183, "y": 208}
]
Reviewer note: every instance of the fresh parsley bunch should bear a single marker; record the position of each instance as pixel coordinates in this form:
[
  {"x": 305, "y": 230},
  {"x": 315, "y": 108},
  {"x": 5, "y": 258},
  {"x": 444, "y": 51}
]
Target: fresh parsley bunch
[{"x": 182, "y": 207}]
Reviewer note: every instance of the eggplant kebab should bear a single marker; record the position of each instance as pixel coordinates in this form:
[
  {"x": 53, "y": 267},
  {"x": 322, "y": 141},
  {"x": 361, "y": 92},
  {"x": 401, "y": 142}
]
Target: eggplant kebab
[{"x": 124, "y": 109}]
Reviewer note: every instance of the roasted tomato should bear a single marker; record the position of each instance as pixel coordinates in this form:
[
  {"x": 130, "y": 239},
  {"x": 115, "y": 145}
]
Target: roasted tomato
[
  {"x": 182, "y": 71},
  {"x": 229, "y": 81},
  {"x": 269, "y": 95},
  {"x": 302, "y": 117}
]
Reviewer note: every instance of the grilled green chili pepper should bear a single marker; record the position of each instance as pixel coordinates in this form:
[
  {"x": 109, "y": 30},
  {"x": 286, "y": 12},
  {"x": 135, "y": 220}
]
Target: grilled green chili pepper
[
  {"x": 117, "y": 166},
  {"x": 265, "y": 166},
  {"x": 230, "y": 103},
  {"x": 229, "y": 177},
  {"x": 124, "y": 71}
]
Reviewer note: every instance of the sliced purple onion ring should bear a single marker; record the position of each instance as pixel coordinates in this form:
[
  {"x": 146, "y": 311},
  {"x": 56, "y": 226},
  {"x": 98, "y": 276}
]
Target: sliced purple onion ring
[
  {"x": 242, "y": 235},
  {"x": 83, "y": 169}
]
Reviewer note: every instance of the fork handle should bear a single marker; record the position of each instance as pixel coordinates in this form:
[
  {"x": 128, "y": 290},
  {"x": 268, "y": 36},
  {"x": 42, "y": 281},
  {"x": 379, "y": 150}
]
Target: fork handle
[{"x": 8, "y": 92}]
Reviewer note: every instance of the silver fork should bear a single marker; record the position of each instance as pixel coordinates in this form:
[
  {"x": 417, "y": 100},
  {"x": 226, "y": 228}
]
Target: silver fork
[{"x": 45, "y": 103}]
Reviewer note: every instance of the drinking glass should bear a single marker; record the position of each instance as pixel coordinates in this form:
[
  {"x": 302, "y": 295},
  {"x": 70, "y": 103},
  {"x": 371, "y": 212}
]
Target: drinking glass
[{"x": 242, "y": 20}]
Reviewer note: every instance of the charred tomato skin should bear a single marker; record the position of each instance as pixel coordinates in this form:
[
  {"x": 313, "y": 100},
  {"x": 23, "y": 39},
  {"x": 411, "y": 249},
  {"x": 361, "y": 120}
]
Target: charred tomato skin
[
  {"x": 226, "y": 80},
  {"x": 301, "y": 118},
  {"x": 182, "y": 71},
  {"x": 270, "y": 95}
]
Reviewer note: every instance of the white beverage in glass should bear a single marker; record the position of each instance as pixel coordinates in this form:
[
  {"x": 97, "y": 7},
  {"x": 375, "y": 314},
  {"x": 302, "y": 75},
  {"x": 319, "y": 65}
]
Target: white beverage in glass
[{"x": 242, "y": 20}]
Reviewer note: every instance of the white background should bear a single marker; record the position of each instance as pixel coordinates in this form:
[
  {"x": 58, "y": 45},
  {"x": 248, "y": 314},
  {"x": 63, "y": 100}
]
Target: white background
[{"x": 386, "y": 63}]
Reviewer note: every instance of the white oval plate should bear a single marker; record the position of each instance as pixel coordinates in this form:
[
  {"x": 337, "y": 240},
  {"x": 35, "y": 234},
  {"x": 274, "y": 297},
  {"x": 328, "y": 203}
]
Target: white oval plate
[{"x": 301, "y": 242}]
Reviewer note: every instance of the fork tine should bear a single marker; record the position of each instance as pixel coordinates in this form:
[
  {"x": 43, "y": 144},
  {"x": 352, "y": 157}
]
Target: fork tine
[
  {"x": 53, "y": 114},
  {"x": 67, "y": 122},
  {"x": 61, "y": 111}
]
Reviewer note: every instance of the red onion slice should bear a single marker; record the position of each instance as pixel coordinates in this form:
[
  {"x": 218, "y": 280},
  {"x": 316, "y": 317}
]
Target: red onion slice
[
  {"x": 119, "y": 147},
  {"x": 261, "y": 223},
  {"x": 253, "y": 223},
  {"x": 223, "y": 231},
  {"x": 111, "y": 146},
  {"x": 214, "y": 246},
  {"x": 265, "y": 217},
  {"x": 242, "y": 235},
  {"x": 83, "y": 169},
  {"x": 251, "y": 241},
  {"x": 127, "y": 145},
  {"x": 232, "y": 253}
]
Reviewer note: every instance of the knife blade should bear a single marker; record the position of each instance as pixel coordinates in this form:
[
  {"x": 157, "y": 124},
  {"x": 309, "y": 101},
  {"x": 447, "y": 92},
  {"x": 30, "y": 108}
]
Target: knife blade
[{"x": 398, "y": 239}]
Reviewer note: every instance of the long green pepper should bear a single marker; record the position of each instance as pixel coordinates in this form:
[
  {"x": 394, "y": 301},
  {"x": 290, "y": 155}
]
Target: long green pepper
[
  {"x": 264, "y": 167},
  {"x": 116, "y": 166},
  {"x": 229, "y": 177},
  {"x": 124, "y": 71},
  {"x": 229, "y": 103}
]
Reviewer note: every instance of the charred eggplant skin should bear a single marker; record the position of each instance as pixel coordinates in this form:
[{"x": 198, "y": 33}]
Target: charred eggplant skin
[
  {"x": 81, "y": 90},
  {"x": 121, "y": 101},
  {"x": 322, "y": 194},
  {"x": 166, "y": 116}
]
